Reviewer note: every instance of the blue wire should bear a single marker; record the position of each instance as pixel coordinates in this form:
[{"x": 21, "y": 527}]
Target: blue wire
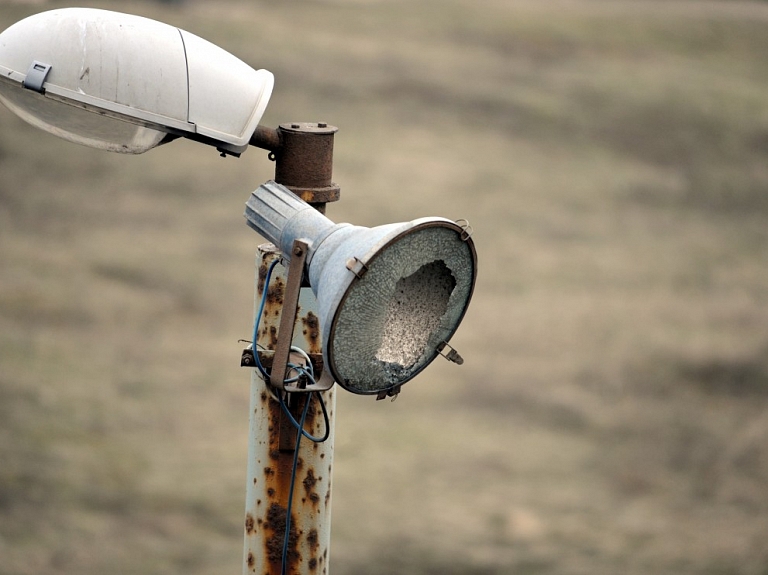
[
  {"x": 289, "y": 508},
  {"x": 300, "y": 426},
  {"x": 257, "y": 320}
]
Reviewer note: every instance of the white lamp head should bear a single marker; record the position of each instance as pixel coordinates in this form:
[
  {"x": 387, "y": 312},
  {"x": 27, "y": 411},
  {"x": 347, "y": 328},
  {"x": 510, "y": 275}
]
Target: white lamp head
[
  {"x": 389, "y": 297},
  {"x": 127, "y": 84}
]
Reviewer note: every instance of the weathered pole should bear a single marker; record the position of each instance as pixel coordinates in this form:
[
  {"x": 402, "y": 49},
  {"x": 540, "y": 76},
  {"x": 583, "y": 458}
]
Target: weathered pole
[{"x": 304, "y": 163}]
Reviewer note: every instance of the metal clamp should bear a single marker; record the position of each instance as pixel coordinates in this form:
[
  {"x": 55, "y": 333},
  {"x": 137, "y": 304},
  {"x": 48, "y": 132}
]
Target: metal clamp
[
  {"x": 36, "y": 76},
  {"x": 357, "y": 267},
  {"x": 452, "y": 355},
  {"x": 466, "y": 229},
  {"x": 392, "y": 392}
]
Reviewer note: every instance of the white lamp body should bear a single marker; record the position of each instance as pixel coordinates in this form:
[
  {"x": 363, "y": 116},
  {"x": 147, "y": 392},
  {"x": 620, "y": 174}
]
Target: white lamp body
[{"x": 123, "y": 83}]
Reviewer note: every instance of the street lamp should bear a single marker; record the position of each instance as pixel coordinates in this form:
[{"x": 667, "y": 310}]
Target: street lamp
[
  {"x": 124, "y": 83},
  {"x": 373, "y": 306}
]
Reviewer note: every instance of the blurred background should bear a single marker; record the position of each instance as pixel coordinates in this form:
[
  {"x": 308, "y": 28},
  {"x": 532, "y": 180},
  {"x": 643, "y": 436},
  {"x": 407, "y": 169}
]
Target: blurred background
[{"x": 612, "y": 412}]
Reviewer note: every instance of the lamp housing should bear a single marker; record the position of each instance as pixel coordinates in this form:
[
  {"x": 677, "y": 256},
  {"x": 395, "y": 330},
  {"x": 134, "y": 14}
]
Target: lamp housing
[
  {"x": 389, "y": 297},
  {"x": 125, "y": 83}
]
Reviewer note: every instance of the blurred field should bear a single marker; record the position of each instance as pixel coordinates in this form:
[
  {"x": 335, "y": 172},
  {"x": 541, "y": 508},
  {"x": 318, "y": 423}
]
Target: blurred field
[{"x": 612, "y": 413}]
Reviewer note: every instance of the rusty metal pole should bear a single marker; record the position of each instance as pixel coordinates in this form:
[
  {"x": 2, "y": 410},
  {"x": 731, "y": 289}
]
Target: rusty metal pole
[{"x": 304, "y": 162}]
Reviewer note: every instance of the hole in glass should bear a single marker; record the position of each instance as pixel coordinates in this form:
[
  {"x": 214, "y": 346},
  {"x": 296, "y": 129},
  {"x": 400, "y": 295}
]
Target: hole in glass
[{"x": 413, "y": 314}]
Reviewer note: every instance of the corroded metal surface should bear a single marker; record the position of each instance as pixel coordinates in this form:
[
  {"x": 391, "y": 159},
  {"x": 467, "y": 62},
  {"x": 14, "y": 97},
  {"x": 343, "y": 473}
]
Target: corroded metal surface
[
  {"x": 303, "y": 155},
  {"x": 270, "y": 456}
]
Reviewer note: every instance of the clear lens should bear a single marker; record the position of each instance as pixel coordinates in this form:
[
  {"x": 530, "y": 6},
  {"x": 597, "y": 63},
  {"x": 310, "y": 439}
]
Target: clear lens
[{"x": 77, "y": 124}]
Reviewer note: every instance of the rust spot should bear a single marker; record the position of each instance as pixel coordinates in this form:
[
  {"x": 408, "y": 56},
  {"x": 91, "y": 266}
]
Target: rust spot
[
  {"x": 312, "y": 564},
  {"x": 312, "y": 331},
  {"x": 258, "y": 502},
  {"x": 269, "y": 471},
  {"x": 249, "y": 524},
  {"x": 276, "y": 517},
  {"x": 310, "y": 481},
  {"x": 251, "y": 560},
  {"x": 263, "y": 269},
  {"x": 275, "y": 454},
  {"x": 322, "y": 456},
  {"x": 263, "y": 396},
  {"x": 271, "y": 492},
  {"x": 254, "y": 481},
  {"x": 327, "y": 497},
  {"x": 313, "y": 540},
  {"x": 276, "y": 292}
]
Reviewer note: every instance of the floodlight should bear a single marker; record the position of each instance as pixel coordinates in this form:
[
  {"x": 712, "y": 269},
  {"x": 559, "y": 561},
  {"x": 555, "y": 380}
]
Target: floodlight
[
  {"x": 125, "y": 83},
  {"x": 389, "y": 297}
]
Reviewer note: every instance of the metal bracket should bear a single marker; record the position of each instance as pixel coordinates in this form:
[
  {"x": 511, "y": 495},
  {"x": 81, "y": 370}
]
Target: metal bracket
[
  {"x": 36, "y": 76},
  {"x": 392, "y": 392},
  {"x": 267, "y": 356},
  {"x": 452, "y": 355},
  {"x": 287, "y": 323}
]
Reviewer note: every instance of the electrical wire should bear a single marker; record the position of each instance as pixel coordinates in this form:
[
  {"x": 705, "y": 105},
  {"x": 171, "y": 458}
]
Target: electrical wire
[
  {"x": 289, "y": 507},
  {"x": 301, "y": 433},
  {"x": 257, "y": 319},
  {"x": 300, "y": 427}
]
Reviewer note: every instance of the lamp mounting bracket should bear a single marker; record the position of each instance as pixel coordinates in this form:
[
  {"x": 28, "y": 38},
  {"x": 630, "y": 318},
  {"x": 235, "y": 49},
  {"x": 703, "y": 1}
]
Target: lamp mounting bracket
[{"x": 287, "y": 323}]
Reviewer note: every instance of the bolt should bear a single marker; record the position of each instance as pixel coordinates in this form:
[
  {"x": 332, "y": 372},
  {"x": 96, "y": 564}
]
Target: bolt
[
  {"x": 297, "y": 251},
  {"x": 296, "y": 126},
  {"x": 322, "y": 124}
]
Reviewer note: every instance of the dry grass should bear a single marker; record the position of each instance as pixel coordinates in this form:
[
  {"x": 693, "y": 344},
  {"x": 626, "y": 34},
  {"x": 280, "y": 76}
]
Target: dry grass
[{"x": 611, "y": 414}]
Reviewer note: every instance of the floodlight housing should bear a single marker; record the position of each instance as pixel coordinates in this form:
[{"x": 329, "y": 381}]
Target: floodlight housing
[
  {"x": 125, "y": 83},
  {"x": 389, "y": 297}
]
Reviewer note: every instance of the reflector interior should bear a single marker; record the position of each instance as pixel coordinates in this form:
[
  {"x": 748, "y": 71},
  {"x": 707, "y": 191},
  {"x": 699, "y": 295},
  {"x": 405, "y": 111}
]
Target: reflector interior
[{"x": 412, "y": 298}]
